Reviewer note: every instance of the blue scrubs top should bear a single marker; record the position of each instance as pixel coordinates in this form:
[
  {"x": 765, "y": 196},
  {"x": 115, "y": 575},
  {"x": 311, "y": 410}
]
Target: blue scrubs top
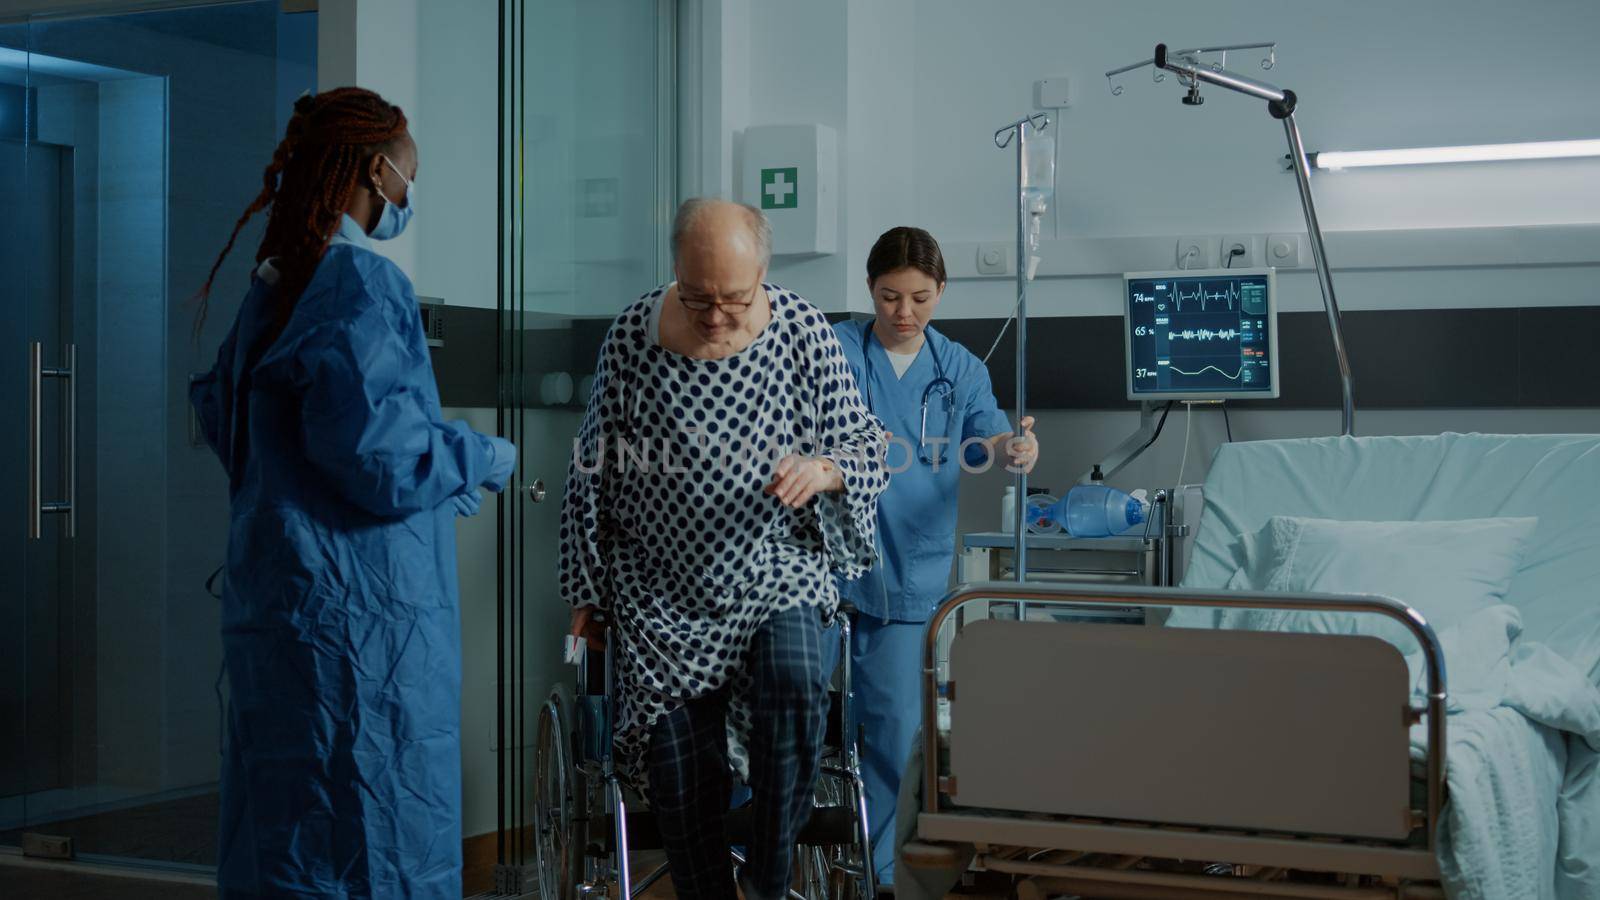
[{"x": 917, "y": 513}]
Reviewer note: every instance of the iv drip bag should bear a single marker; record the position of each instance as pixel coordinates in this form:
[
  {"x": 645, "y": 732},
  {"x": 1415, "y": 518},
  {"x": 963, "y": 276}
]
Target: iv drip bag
[{"x": 1038, "y": 171}]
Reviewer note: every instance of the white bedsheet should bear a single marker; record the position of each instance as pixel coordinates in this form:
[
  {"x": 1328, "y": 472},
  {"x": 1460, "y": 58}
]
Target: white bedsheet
[
  {"x": 1554, "y": 478},
  {"x": 1522, "y": 821}
]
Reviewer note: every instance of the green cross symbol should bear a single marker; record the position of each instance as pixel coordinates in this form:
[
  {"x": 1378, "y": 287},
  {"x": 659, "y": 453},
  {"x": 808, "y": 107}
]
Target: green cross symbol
[{"x": 780, "y": 188}]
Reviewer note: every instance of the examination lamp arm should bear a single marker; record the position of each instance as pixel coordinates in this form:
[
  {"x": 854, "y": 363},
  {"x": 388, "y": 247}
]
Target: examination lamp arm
[
  {"x": 1233, "y": 81},
  {"x": 1319, "y": 256},
  {"x": 1130, "y": 449},
  {"x": 1281, "y": 104}
]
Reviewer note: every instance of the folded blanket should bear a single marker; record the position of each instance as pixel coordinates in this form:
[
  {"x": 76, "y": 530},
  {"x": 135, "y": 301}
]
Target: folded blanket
[{"x": 1523, "y": 815}]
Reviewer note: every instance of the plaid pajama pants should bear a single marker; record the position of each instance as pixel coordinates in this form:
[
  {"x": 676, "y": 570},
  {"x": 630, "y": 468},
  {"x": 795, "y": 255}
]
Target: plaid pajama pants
[{"x": 690, "y": 781}]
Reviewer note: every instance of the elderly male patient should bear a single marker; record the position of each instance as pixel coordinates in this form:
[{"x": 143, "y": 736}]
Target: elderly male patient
[{"x": 725, "y": 473}]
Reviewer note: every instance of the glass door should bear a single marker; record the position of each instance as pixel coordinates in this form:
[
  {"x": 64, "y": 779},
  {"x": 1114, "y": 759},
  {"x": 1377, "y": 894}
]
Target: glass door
[
  {"x": 30, "y": 643},
  {"x": 588, "y": 189},
  {"x": 129, "y": 145}
]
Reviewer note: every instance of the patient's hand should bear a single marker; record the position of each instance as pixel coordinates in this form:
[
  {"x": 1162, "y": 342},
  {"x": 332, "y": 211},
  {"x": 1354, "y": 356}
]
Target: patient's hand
[
  {"x": 584, "y": 626},
  {"x": 799, "y": 478}
]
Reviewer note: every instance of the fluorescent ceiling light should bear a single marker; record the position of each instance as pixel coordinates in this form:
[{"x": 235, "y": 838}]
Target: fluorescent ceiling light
[
  {"x": 23, "y": 67},
  {"x": 1351, "y": 159}
]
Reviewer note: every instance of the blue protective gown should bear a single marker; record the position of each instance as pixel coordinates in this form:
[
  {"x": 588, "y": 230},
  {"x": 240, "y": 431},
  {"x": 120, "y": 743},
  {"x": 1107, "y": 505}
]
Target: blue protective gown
[
  {"x": 341, "y": 773},
  {"x": 917, "y": 533}
]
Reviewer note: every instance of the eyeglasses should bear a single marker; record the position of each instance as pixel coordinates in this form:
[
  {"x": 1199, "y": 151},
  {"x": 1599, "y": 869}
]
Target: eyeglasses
[{"x": 695, "y": 304}]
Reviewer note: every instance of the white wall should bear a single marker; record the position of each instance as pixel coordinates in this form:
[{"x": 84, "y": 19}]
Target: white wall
[
  {"x": 388, "y": 46},
  {"x": 800, "y": 73},
  {"x": 883, "y": 190},
  {"x": 832, "y": 62},
  {"x": 374, "y": 45},
  {"x": 714, "y": 93},
  {"x": 590, "y": 115},
  {"x": 1369, "y": 75},
  {"x": 591, "y": 118},
  {"x": 921, "y": 87},
  {"x": 454, "y": 121}
]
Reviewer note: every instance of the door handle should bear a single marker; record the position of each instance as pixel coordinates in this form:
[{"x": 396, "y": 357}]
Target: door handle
[
  {"x": 536, "y": 491},
  {"x": 38, "y": 507}
]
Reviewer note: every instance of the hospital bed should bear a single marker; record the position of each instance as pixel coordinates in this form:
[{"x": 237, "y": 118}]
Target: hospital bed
[{"x": 1094, "y": 760}]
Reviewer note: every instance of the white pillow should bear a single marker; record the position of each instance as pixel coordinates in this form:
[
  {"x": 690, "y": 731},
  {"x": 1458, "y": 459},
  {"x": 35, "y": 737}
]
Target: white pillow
[{"x": 1446, "y": 570}]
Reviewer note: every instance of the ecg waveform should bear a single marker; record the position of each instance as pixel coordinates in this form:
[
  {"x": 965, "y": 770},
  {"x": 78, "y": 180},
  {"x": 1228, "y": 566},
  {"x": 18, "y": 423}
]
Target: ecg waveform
[
  {"x": 1203, "y": 334},
  {"x": 1233, "y": 377},
  {"x": 1231, "y": 295}
]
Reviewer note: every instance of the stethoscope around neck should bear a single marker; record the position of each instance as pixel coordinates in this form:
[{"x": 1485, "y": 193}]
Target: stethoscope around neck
[{"x": 940, "y": 384}]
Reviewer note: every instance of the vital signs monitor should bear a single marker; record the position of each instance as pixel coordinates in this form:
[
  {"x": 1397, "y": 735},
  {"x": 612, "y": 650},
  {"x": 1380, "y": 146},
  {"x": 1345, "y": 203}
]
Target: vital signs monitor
[{"x": 1202, "y": 334}]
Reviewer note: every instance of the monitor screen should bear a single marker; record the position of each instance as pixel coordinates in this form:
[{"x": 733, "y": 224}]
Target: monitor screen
[{"x": 1202, "y": 335}]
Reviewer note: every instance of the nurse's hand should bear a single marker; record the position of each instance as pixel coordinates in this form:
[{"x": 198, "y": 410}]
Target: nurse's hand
[
  {"x": 1023, "y": 451},
  {"x": 502, "y": 462},
  {"x": 584, "y": 626},
  {"x": 469, "y": 503},
  {"x": 799, "y": 478}
]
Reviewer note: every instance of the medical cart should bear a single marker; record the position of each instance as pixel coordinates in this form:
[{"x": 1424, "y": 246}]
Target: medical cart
[{"x": 1144, "y": 557}]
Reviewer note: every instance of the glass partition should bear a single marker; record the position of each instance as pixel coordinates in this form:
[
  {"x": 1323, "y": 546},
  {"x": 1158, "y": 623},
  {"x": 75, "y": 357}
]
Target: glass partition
[
  {"x": 129, "y": 144},
  {"x": 588, "y": 186}
]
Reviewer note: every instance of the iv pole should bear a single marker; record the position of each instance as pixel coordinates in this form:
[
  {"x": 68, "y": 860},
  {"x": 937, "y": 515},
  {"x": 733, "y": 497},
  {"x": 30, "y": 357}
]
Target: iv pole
[
  {"x": 1281, "y": 104},
  {"x": 1002, "y": 139}
]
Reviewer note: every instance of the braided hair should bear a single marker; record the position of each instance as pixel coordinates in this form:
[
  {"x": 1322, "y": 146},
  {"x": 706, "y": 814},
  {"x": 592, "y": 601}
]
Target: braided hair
[{"x": 308, "y": 185}]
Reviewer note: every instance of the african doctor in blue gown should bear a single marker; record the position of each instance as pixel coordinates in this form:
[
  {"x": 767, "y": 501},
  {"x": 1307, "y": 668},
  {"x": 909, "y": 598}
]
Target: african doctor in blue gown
[
  {"x": 341, "y": 770},
  {"x": 934, "y": 397}
]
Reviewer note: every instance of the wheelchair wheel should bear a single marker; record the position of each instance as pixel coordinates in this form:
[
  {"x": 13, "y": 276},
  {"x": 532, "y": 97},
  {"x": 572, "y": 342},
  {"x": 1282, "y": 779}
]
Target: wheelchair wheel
[
  {"x": 836, "y": 871},
  {"x": 557, "y": 841}
]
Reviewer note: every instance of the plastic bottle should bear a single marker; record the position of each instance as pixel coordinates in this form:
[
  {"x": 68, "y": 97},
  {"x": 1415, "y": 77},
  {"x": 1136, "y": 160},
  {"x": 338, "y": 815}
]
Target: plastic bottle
[
  {"x": 1008, "y": 510},
  {"x": 1095, "y": 510}
]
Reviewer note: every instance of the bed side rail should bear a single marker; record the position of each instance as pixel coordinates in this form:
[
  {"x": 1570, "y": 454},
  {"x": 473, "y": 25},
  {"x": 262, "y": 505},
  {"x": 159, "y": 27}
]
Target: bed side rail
[{"x": 1099, "y": 645}]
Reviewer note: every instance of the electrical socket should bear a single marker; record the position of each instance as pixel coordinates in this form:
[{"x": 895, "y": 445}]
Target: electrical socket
[
  {"x": 46, "y": 846},
  {"x": 1249, "y": 259},
  {"x": 1198, "y": 252},
  {"x": 1283, "y": 250},
  {"x": 994, "y": 259}
]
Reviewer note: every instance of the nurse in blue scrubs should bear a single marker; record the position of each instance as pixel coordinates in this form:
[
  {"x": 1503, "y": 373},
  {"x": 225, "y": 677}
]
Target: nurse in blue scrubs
[{"x": 935, "y": 398}]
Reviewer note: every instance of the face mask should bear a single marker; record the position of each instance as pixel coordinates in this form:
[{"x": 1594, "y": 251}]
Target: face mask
[{"x": 394, "y": 217}]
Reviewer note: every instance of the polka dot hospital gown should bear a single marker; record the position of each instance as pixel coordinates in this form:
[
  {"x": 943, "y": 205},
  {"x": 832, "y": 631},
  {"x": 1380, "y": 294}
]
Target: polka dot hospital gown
[{"x": 665, "y": 524}]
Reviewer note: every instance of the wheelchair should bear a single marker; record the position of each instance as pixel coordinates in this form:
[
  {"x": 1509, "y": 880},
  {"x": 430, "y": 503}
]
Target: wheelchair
[{"x": 588, "y": 820}]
